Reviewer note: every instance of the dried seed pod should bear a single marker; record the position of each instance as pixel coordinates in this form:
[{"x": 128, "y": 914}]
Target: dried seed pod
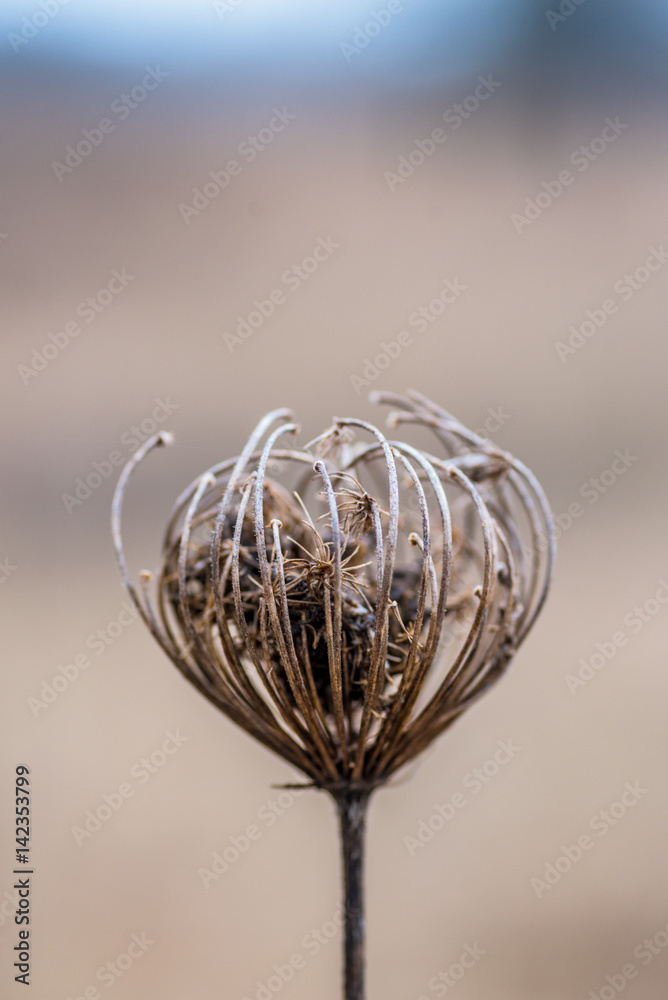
[{"x": 346, "y": 602}]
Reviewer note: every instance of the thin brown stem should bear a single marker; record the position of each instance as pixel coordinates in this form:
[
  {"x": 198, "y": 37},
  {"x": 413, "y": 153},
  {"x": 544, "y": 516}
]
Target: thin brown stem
[{"x": 352, "y": 805}]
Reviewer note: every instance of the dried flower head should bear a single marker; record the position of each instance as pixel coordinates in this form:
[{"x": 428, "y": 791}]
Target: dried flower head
[{"x": 346, "y": 602}]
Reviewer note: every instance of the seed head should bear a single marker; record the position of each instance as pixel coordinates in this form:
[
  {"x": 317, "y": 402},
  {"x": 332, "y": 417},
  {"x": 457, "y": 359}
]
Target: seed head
[{"x": 346, "y": 602}]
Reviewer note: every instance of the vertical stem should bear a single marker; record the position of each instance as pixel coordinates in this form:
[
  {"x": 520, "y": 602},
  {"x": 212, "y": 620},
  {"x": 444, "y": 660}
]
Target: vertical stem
[{"x": 352, "y": 805}]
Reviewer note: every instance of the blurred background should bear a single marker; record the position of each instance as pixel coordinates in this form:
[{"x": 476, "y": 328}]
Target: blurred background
[{"x": 212, "y": 209}]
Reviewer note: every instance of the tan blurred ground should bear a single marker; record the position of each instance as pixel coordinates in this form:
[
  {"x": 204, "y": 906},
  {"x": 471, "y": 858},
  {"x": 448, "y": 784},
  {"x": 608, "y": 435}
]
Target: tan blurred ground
[{"x": 162, "y": 338}]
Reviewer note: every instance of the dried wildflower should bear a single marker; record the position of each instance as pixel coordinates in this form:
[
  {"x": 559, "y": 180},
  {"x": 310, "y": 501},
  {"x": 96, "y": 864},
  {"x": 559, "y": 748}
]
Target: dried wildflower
[{"x": 346, "y": 609}]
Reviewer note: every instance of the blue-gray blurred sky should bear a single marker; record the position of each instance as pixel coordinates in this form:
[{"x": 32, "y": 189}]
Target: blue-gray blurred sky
[{"x": 426, "y": 41}]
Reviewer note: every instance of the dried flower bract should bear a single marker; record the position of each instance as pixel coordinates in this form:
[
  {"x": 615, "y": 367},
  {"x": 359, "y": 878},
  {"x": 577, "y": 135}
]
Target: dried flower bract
[{"x": 346, "y": 602}]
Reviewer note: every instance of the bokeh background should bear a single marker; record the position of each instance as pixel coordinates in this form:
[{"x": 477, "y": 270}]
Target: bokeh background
[{"x": 366, "y": 84}]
